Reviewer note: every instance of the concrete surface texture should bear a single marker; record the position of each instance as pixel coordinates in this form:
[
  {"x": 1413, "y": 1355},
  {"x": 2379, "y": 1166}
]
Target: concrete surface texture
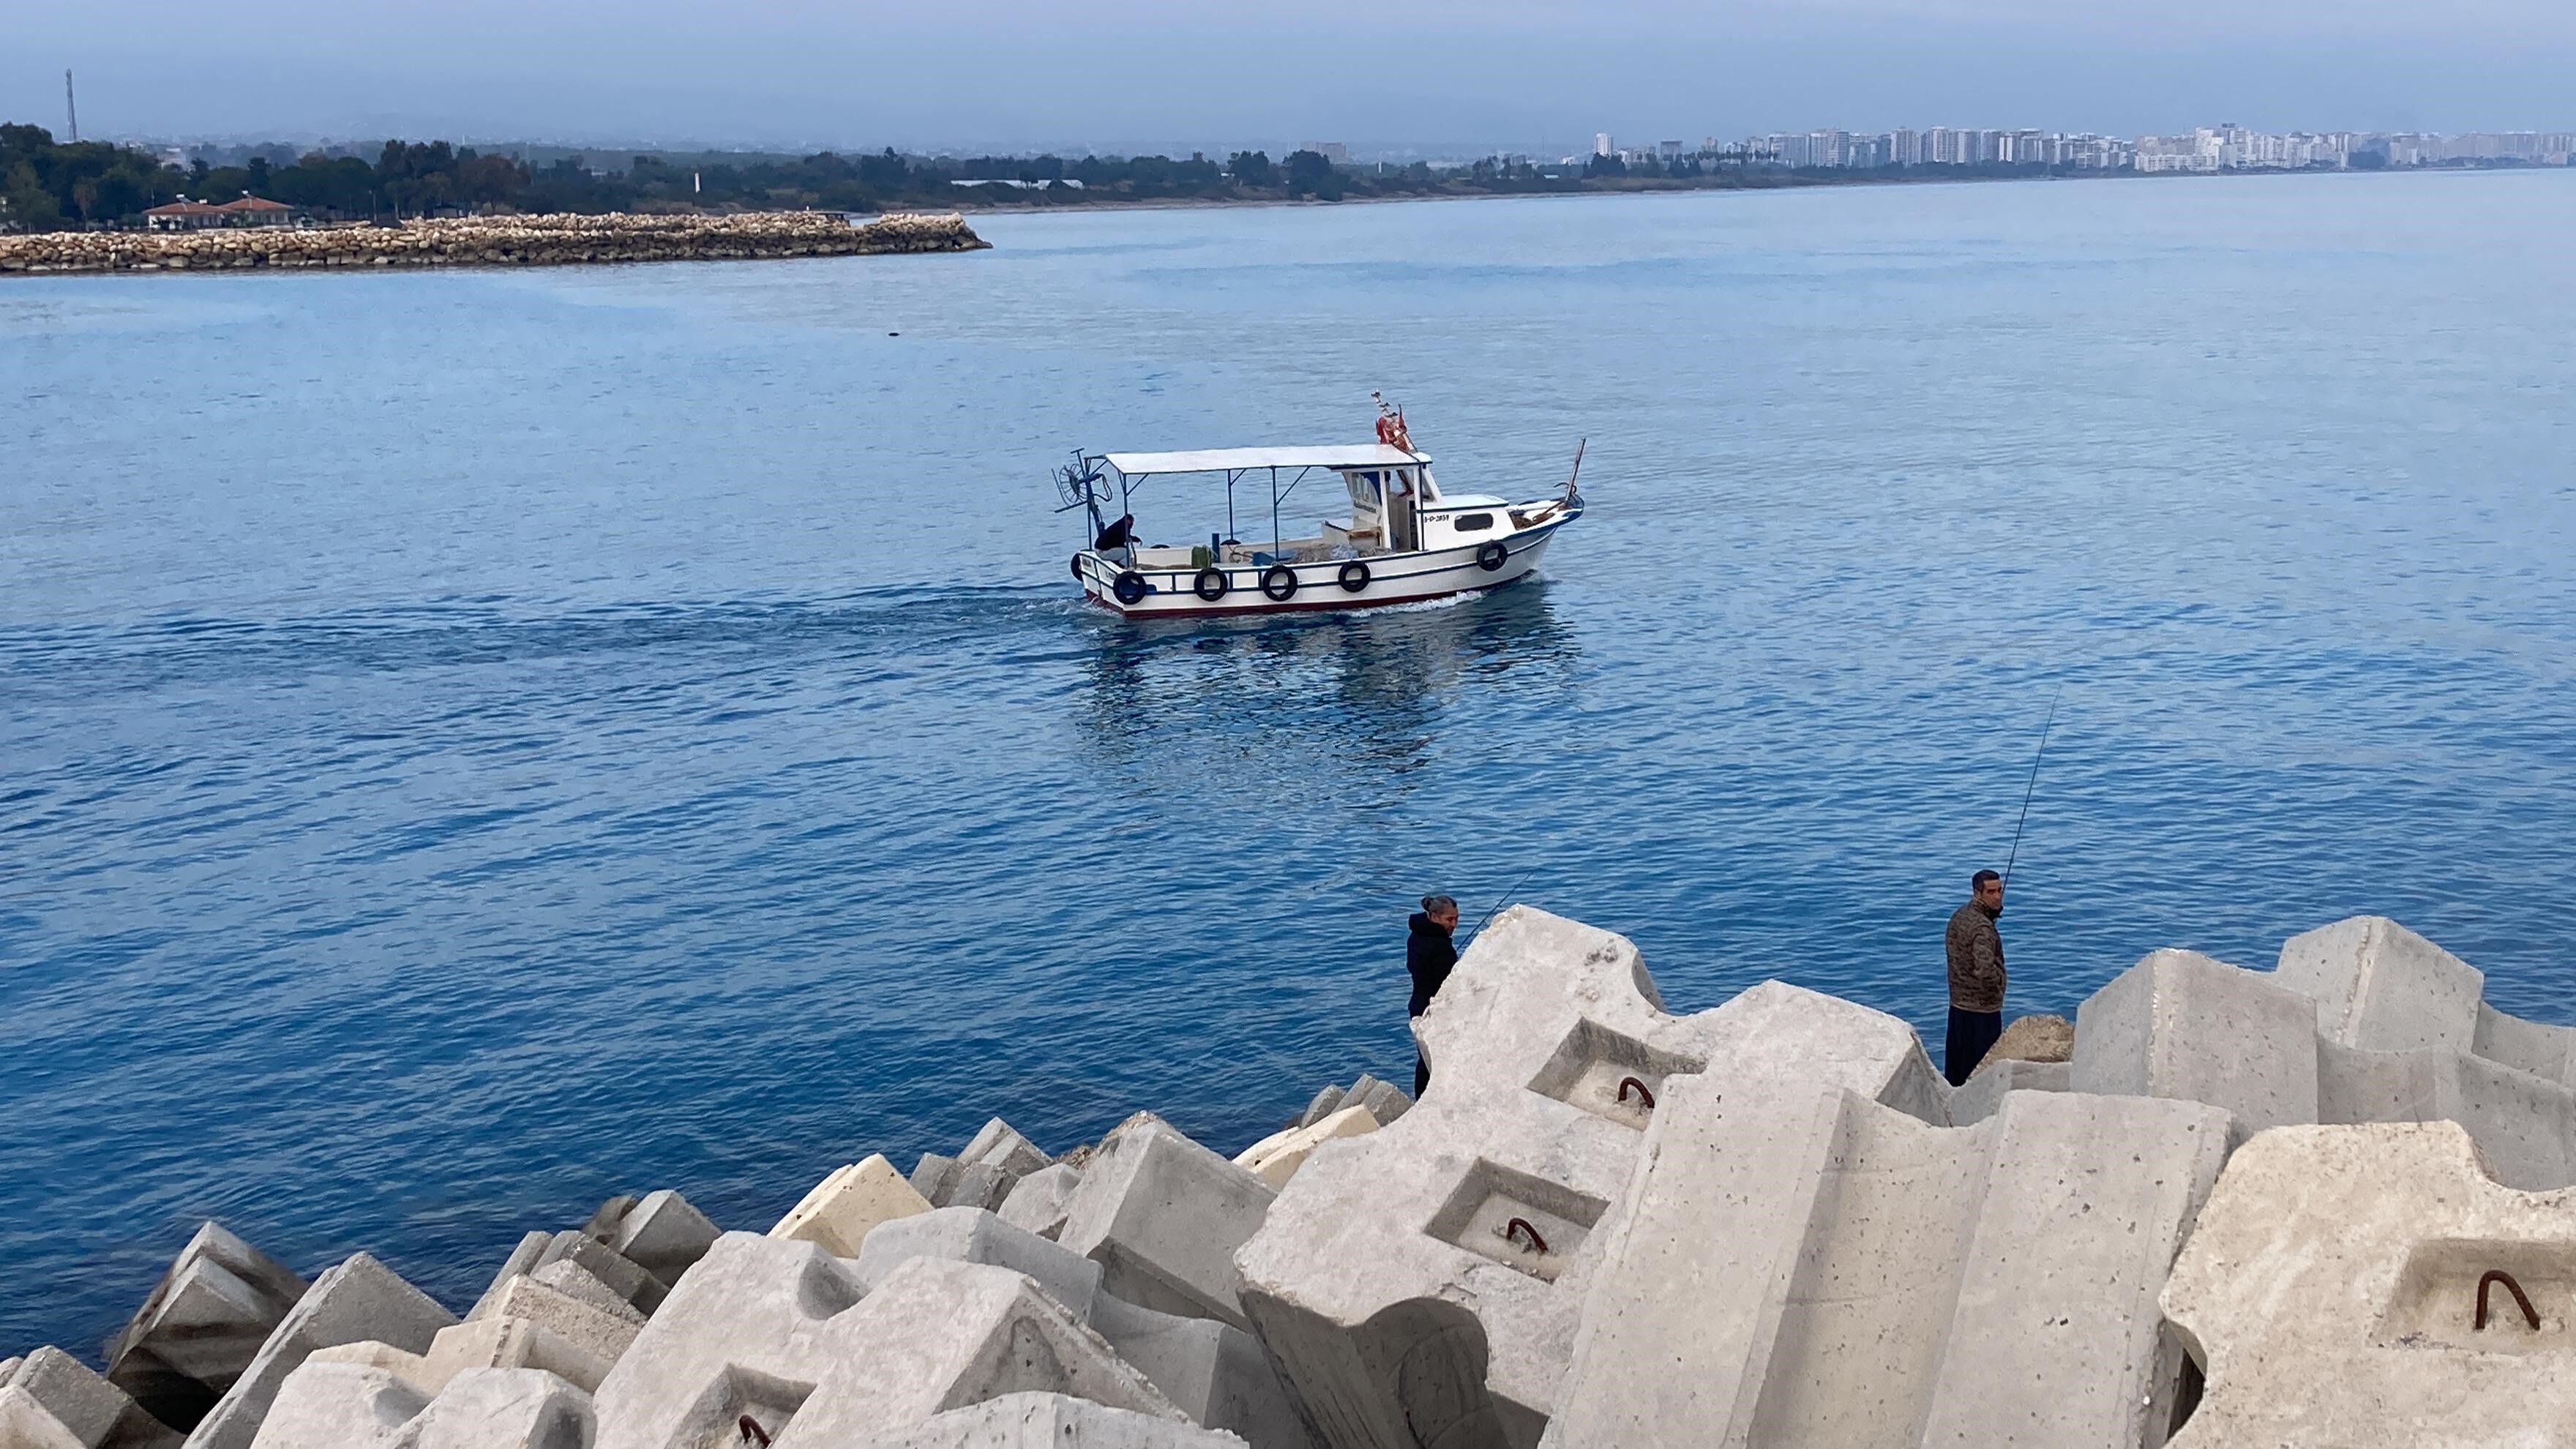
[
  {"x": 361, "y": 1300},
  {"x": 1049, "y": 1421},
  {"x": 1163, "y": 1217},
  {"x": 1977, "y": 1098},
  {"x": 1036, "y": 1203},
  {"x": 1275, "y": 1158},
  {"x": 2331, "y": 1290},
  {"x": 2361, "y": 1021},
  {"x": 842, "y": 1207},
  {"x": 1390, "y": 1281},
  {"x": 663, "y": 1235},
  {"x": 332, "y": 1404},
  {"x": 1805, "y": 1266},
  {"x": 51, "y": 1385},
  {"x": 939, "y": 1335},
  {"x": 742, "y": 1336},
  {"x": 201, "y": 1326}
]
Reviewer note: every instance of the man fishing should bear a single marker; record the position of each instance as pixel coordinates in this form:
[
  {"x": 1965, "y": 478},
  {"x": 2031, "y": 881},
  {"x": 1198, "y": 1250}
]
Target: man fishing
[
  {"x": 1429, "y": 952},
  {"x": 1976, "y": 953}
]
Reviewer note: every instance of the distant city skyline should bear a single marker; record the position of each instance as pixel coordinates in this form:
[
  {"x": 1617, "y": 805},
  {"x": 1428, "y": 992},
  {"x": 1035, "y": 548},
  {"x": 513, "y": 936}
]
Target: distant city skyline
[{"x": 1419, "y": 78}]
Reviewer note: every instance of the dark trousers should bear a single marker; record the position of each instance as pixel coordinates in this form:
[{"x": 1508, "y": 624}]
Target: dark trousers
[{"x": 1972, "y": 1035}]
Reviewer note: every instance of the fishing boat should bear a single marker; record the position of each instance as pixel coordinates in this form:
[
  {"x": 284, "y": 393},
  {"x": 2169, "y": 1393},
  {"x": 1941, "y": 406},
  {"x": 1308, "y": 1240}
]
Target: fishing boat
[{"x": 1403, "y": 539}]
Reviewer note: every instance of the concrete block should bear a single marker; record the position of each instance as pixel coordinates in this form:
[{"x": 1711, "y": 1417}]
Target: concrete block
[
  {"x": 600, "y": 1333},
  {"x": 2381, "y": 987},
  {"x": 971, "y": 1235},
  {"x": 2524, "y": 1125},
  {"x": 627, "y": 1279},
  {"x": 1214, "y": 1372},
  {"x": 360, "y": 1299},
  {"x": 1808, "y": 1267},
  {"x": 980, "y": 1185},
  {"x": 2032, "y": 1039},
  {"x": 333, "y": 1404},
  {"x": 663, "y": 1235},
  {"x": 939, "y": 1335},
  {"x": 1323, "y": 1104},
  {"x": 998, "y": 1144},
  {"x": 933, "y": 1176},
  {"x": 2182, "y": 1025},
  {"x": 97, "y": 1414},
  {"x": 522, "y": 1260},
  {"x": 842, "y": 1207},
  {"x": 201, "y": 1326},
  {"x": 24, "y": 1424},
  {"x": 742, "y": 1335},
  {"x": 1385, "y": 1100},
  {"x": 1978, "y": 1098},
  {"x": 505, "y": 1342},
  {"x": 2329, "y": 1295},
  {"x": 581, "y": 1285},
  {"x": 1037, "y": 1201},
  {"x": 1049, "y": 1421},
  {"x": 502, "y": 1408},
  {"x": 1163, "y": 1216},
  {"x": 2543, "y": 1051},
  {"x": 1389, "y": 1281},
  {"x": 1275, "y": 1158}
]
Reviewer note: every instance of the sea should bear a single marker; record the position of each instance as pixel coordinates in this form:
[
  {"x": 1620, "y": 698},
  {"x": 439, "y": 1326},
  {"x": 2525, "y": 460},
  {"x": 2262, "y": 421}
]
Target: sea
[{"x": 479, "y": 741}]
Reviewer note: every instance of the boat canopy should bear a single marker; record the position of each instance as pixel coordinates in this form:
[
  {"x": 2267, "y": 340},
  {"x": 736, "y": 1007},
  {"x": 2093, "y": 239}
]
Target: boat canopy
[{"x": 1230, "y": 460}]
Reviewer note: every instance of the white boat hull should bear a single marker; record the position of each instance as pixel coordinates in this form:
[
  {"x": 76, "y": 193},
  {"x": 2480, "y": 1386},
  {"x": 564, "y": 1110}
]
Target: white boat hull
[{"x": 1393, "y": 578}]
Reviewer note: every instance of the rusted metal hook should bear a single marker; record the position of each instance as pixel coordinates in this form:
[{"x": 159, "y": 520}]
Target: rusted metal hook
[
  {"x": 1537, "y": 1243},
  {"x": 1643, "y": 1095},
  {"x": 751, "y": 1432},
  {"x": 2493, "y": 1277}
]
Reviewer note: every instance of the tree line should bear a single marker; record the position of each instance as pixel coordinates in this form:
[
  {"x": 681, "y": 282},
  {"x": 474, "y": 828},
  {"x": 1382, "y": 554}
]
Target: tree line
[{"x": 46, "y": 185}]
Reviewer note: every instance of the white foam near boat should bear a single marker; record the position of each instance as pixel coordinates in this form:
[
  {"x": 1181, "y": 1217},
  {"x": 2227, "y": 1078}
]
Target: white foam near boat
[{"x": 1403, "y": 539}]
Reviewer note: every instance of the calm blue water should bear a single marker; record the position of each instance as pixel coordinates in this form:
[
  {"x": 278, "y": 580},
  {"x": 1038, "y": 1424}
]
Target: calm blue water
[{"x": 479, "y": 742}]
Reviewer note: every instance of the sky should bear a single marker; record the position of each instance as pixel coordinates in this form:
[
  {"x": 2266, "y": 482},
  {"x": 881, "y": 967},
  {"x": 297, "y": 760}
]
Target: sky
[{"x": 1160, "y": 75}]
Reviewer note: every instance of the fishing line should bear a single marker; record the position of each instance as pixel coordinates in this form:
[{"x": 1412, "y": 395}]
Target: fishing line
[{"x": 2033, "y": 786}]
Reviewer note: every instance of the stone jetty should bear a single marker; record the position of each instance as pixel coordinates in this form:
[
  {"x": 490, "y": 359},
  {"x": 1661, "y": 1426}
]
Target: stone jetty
[
  {"x": 560, "y": 239},
  {"x": 2324, "y": 1204}
]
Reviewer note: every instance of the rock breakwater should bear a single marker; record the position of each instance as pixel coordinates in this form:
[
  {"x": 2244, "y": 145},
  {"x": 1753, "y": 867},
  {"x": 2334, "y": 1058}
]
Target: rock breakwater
[
  {"x": 2325, "y": 1204},
  {"x": 557, "y": 239}
]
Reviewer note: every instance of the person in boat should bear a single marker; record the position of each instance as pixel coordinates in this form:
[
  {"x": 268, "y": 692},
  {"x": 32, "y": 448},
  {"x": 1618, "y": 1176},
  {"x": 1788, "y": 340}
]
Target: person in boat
[
  {"x": 1976, "y": 955},
  {"x": 1116, "y": 536},
  {"x": 1429, "y": 951}
]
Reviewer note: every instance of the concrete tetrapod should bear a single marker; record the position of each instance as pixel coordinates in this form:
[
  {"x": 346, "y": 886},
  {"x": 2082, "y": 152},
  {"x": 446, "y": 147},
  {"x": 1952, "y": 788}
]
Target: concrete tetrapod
[
  {"x": 842, "y": 1207},
  {"x": 1421, "y": 1284},
  {"x": 1275, "y": 1158},
  {"x": 1805, "y": 1267},
  {"x": 360, "y": 1300},
  {"x": 1037, "y": 1201},
  {"x": 203, "y": 1323},
  {"x": 2332, "y": 1295}
]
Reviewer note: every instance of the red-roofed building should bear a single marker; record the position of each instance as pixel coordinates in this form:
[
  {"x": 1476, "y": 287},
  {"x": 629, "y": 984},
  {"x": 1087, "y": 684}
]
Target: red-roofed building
[{"x": 184, "y": 215}]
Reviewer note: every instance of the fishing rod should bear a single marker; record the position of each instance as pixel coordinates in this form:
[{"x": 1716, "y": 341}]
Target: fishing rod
[
  {"x": 1506, "y": 899},
  {"x": 2033, "y": 786}
]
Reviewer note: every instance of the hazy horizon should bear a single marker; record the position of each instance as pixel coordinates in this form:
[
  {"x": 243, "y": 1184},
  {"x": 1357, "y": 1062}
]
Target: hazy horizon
[{"x": 1149, "y": 75}]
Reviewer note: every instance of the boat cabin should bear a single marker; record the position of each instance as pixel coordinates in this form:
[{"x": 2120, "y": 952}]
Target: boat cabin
[{"x": 1395, "y": 504}]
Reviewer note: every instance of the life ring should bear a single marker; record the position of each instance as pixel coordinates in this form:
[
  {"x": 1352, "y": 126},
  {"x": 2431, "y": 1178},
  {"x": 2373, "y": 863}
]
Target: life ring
[
  {"x": 1131, "y": 588},
  {"x": 1280, "y": 584},
  {"x": 1355, "y": 576},
  {"x": 1493, "y": 556},
  {"x": 1211, "y": 584},
  {"x": 1077, "y": 566}
]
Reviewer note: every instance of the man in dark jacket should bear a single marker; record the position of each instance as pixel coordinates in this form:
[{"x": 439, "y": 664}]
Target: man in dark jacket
[
  {"x": 1429, "y": 952},
  {"x": 1976, "y": 955}
]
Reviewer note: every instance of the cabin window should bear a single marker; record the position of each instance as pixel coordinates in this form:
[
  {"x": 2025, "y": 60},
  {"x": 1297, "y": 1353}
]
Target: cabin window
[{"x": 1473, "y": 522}]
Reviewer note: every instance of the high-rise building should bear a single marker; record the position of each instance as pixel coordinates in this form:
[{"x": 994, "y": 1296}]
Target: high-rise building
[
  {"x": 1904, "y": 148},
  {"x": 1600, "y": 143}
]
